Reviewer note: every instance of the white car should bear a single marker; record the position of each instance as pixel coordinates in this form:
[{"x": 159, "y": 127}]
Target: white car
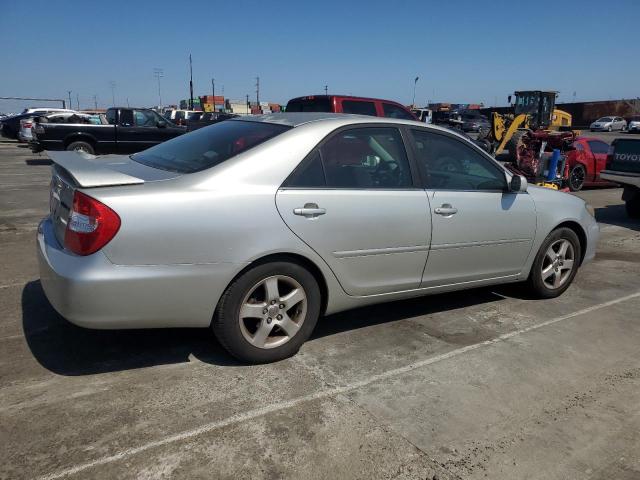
[
  {"x": 179, "y": 117},
  {"x": 609, "y": 124},
  {"x": 634, "y": 124}
]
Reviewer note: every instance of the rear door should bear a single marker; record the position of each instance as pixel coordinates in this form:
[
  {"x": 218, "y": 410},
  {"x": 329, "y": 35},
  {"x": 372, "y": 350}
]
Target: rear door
[
  {"x": 479, "y": 229},
  {"x": 357, "y": 203}
]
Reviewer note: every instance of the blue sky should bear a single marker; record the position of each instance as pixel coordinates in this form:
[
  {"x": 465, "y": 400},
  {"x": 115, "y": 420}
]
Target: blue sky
[{"x": 463, "y": 51}]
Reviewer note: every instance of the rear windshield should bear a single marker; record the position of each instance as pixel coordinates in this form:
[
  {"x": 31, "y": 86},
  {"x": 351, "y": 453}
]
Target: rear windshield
[
  {"x": 320, "y": 104},
  {"x": 208, "y": 146}
]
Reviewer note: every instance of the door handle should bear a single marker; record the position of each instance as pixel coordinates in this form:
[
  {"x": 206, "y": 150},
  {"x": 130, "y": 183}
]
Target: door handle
[
  {"x": 310, "y": 210},
  {"x": 446, "y": 210}
]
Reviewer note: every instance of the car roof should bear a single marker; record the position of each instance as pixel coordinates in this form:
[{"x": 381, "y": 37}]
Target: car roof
[
  {"x": 346, "y": 97},
  {"x": 295, "y": 119}
]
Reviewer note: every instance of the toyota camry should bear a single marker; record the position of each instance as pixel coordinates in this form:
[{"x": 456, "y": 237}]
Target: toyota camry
[{"x": 257, "y": 226}]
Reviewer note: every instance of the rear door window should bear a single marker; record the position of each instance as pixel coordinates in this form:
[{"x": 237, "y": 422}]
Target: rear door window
[
  {"x": 359, "y": 107},
  {"x": 359, "y": 158},
  {"x": 395, "y": 111}
]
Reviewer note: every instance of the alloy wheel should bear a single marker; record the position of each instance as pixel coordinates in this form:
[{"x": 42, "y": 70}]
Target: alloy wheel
[
  {"x": 558, "y": 263},
  {"x": 273, "y": 311},
  {"x": 577, "y": 178}
]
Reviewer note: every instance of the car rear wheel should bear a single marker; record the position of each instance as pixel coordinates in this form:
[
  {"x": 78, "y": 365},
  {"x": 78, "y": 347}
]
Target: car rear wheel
[
  {"x": 268, "y": 312},
  {"x": 81, "y": 147},
  {"x": 576, "y": 177},
  {"x": 556, "y": 264}
]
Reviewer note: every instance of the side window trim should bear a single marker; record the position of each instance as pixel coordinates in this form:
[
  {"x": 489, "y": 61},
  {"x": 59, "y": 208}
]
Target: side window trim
[
  {"x": 416, "y": 177},
  {"x": 423, "y": 170}
]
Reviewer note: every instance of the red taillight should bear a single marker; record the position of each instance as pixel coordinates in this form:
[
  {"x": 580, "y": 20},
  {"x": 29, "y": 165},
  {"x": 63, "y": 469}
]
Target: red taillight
[{"x": 91, "y": 225}]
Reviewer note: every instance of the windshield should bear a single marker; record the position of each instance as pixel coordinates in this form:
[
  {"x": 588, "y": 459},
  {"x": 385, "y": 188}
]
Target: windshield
[
  {"x": 208, "y": 146},
  {"x": 604, "y": 119}
]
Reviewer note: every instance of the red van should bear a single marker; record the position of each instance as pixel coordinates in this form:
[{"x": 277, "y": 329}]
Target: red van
[{"x": 345, "y": 104}]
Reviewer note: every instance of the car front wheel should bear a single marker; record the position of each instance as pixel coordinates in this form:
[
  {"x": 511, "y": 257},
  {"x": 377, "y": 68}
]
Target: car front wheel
[
  {"x": 556, "y": 264},
  {"x": 268, "y": 312},
  {"x": 576, "y": 177}
]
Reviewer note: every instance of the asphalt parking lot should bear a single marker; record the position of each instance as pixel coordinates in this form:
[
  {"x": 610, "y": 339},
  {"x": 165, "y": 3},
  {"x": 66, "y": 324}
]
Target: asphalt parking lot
[{"x": 485, "y": 383}]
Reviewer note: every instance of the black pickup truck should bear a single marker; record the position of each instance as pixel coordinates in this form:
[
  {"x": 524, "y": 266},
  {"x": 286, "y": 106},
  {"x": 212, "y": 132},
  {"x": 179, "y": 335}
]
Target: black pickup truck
[
  {"x": 128, "y": 130},
  {"x": 623, "y": 167}
]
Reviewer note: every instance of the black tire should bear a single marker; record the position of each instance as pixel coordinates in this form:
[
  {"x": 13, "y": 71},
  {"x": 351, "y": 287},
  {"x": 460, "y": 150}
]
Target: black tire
[
  {"x": 632, "y": 206},
  {"x": 535, "y": 281},
  {"x": 513, "y": 143},
  {"x": 226, "y": 321},
  {"x": 81, "y": 147},
  {"x": 576, "y": 177}
]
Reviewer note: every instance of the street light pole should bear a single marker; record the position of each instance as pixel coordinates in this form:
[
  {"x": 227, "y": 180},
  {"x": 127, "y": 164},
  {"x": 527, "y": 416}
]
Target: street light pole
[
  {"x": 159, "y": 73},
  {"x": 70, "y": 105},
  {"x": 415, "y": 82},
  {"x": 112, "y": 84},
  {"x": 190, "y": 83},
  {"x": 326, "y": 89},
  {"x": 95, "y": 102},
  {"x": 213, "y": 92}
]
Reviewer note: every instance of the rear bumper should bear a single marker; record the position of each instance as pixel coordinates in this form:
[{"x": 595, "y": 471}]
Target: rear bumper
[{"x": 92, "y": 292}]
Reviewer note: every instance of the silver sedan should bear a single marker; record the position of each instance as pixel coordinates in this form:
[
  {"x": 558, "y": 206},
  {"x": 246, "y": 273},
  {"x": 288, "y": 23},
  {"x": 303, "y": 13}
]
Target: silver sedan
[{"x": 257, "y": 226}]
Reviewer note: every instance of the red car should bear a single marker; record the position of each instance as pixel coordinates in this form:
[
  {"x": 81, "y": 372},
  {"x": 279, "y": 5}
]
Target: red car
[
  {"x": 585, "y": 163},
  {"x": 346, "y": 104}
]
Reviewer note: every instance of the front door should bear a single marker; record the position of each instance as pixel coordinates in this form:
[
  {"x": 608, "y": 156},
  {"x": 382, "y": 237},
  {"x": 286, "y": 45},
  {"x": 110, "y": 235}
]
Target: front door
[
  {"x": 479, "y": 229},
  {"x": 355, "y": 202}
]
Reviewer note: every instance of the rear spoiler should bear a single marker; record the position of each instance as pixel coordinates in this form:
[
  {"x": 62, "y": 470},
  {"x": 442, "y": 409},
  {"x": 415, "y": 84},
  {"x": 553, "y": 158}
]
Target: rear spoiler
[{"x": 91, "y": 171}]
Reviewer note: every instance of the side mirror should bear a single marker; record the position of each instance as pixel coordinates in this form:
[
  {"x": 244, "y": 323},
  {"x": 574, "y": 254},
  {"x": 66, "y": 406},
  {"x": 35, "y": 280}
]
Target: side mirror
[
  {"x": 509, "y": 99},
  {"x": 161, "y": 124},
  {"x": 518, "y": 184}
]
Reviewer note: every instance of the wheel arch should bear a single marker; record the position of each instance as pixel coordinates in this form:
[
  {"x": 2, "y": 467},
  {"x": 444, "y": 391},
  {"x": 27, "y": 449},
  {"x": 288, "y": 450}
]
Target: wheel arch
[
  {"x": 580, "y": 233},
  {"x": 292, "y": 258},
  {"x": 79, "y": 137}
]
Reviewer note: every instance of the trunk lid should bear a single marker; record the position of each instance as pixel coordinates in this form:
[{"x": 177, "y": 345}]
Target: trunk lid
[{"x": 74, "y": 170}]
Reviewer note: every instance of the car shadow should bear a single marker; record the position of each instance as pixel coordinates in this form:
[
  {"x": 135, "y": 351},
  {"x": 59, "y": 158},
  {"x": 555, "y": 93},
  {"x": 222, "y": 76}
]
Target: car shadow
[
  {"x": 616, "y": 215},
  {"x": 66, "y": 349}
]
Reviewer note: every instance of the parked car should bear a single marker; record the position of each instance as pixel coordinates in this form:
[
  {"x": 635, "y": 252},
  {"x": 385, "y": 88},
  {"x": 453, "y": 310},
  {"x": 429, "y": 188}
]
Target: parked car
[
  {"x": 585, "y": 161},
  {"x": 45, "y": 110},
  {"x": 208, "y": 118},
  {"x": 473, "y": 121},
  {"x": 26, "y": 124},
  {"x": 347, "y": 104},
  {"x": 634, "y": 124},
  {"x": 423, "y": 114},
  {"x": 623, "y": 167},
  {"x": 256, "y": 226},
  {"x": 128, "y": 130},
  {"x": 179, "y": 117},
  {"x": 10, "y": 126},
  {"x": 609, "y": 124}
]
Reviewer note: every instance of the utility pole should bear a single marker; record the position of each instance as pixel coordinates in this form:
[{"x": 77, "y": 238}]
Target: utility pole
[
  {"x": 159, "y": 73},
  {"x": 78, "y": 101},
  {"x": 415, "y": 82},
  {"x": 112, "y": 84},
  {"x": 213, "y": 92},
  {"x": 247, "y": 104},
  {"x": 326, "y": 89},
  {"x": 258, "y": 91},
  {"x": 127, "y": 102},
  {"x": 95, "y": 102},
  {"x": 190, "y": 83},
  {"x": 70, "y": 104}
]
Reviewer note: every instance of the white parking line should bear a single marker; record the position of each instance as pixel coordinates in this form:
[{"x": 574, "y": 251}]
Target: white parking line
[
  {"x": 10, "y": 285},
  {"x": 329, "y": 392}
]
